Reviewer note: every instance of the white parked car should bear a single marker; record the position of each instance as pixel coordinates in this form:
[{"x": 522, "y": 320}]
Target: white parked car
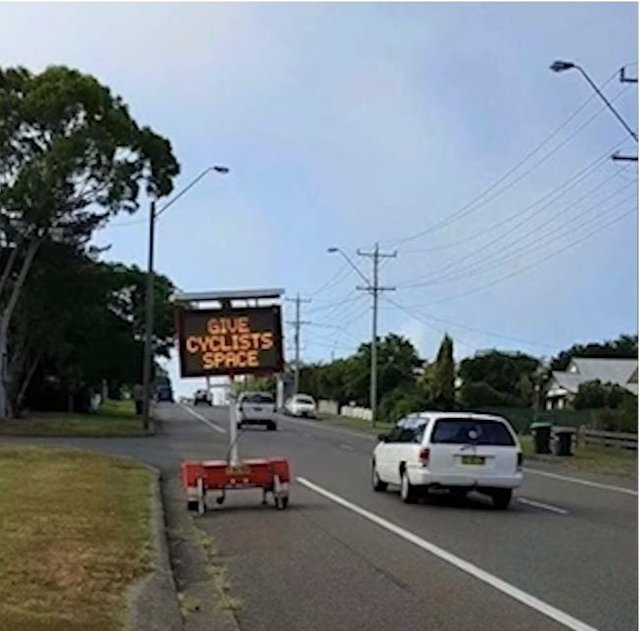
[
  {"x": 301, "y": 405},
  {"x": 455, "y": 451},
  {"x": 256, "y": 408}
]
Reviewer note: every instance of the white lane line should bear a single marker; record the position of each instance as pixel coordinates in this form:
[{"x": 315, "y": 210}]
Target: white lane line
[
  {"x": 552, "y": 509},
  {"x": 346, "y": 447},
  {"x": 596, "y": 485},
  {"x": 506, "y": 588},
  {"x": 211, "y": 424},
  {"x": 332, "y": 430}
]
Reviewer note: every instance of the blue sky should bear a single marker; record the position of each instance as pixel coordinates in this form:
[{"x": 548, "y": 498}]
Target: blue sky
[{"x": 347, "y": 124}]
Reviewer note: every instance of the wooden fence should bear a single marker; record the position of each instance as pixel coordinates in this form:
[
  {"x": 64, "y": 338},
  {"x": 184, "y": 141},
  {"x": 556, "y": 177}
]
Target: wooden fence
[{"x": 619, "y": 440}]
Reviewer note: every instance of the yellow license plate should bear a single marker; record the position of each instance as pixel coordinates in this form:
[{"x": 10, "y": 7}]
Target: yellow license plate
[
  {"x": 240, "y": 470},
  {"x": 473, "y": 460}
]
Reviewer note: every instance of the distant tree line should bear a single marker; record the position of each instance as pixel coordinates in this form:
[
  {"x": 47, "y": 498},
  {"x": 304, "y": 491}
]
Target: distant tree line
[{"x": 490, "y": 378}]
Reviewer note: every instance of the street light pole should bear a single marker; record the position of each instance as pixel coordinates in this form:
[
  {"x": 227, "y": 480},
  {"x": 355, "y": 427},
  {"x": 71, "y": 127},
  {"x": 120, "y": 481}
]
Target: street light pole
[
  {"x": 148, "y": 324},
  {"x": 147, "y": 359},
  {"x": 374, "y": 288},
  {"x": 561, "y": 66}
]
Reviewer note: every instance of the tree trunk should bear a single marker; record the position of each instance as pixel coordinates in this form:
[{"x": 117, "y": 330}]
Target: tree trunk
[
  {"x": 5, "y": 321},
  {"x": 6, "y": 272},
  {"x": 25, "y": 384}
]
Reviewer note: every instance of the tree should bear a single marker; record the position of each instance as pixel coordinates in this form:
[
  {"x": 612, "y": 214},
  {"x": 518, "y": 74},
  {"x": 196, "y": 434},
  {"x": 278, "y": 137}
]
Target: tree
[
  {"x": 525, "y": 389},
  {"x": 624, "y": 347},
  {"x": 348, "y": 379},
  {"x": 596, "y": 395},
  {"x": 80, "y": 323},
  {"x": 443, "y": 386},
  {"x": 477, "y": 394},
  {"x": 502, "y": 371},
  {"x": 71, "y": 157}
]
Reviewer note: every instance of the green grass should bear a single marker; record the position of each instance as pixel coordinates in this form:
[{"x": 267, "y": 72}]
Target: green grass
[
  {"x": 117, "y": 408},
  {"x": 359, "y": 425},
  {"x": 588, "y": 459},
  {"x": 74, "y": 534},
  {"x": 114, "y": 418}
]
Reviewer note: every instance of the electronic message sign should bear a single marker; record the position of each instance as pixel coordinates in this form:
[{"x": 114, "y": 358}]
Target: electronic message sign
[{"x": 230, "y": 341}]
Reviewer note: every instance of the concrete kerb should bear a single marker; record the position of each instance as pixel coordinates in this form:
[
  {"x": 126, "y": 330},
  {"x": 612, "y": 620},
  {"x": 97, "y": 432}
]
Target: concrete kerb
[{"x": 153, "y": 600}]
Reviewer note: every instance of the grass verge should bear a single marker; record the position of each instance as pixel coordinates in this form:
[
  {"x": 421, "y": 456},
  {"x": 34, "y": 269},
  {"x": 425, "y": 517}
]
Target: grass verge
[
  {"x": 114, "y": 418},
  {"x": 359, "y": 425},
  {"x": 75, "y": 533},
  {"x": 217, "y": 573},
  {"x": 588, "y": 459}
]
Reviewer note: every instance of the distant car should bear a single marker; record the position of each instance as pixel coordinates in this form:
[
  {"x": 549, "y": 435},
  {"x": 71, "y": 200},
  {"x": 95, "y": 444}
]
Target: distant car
[
  {"x": 201, "y": 396},
  {"x": 256, "y": 408},
  {"x": 164, "y": 393},
  {"x": 301, "y": 405},
  {"x": 460, "y": 452}
]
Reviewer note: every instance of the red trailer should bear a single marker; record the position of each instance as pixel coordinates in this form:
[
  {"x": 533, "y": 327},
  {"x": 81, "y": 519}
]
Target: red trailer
[{"x": 272, "y": 475}]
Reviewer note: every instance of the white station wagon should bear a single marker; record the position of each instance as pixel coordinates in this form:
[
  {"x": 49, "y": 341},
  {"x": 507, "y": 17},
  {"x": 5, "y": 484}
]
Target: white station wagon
[{"x": 455, "y": 451}]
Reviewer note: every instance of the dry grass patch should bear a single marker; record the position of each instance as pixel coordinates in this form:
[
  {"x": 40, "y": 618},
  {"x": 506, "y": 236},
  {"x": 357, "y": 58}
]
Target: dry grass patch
[{"x": 74, "y": 534}]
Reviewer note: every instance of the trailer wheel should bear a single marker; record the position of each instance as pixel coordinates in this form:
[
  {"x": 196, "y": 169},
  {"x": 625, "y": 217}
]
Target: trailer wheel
[{"x": 281, "y": 502}]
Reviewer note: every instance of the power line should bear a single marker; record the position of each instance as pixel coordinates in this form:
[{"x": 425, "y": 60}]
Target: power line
[
  {"x": 559, "y": 191},
  {"x": 420, "y": 318},
  {"x": 534, "y": 263},
  {"x": 567, "y": 185},
  {"x": 474, "y": 329},
  {"x": 527, "y": 248},
  {"x": 340, "y": 275},
  {"x": 455, "y": 271},
  {"x": 475, "y": 203}
]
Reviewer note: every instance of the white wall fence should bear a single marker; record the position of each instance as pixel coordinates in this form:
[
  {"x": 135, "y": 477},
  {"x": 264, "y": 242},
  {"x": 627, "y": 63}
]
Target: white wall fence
[
  {"x": 328, "y": 407},
  {"x": 332, "y": 408}
]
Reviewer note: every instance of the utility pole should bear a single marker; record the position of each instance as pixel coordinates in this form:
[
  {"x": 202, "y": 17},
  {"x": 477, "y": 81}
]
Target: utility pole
[
  {"x": 297, "y": 323},
  {"x": 148, "y": 329},
  {"x": 375, "y": 289}
]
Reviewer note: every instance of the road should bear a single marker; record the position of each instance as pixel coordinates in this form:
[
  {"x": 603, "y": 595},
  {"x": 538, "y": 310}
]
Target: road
[
  {"x": 564, "y": 556},
  {"x": 570, "y": 548}
]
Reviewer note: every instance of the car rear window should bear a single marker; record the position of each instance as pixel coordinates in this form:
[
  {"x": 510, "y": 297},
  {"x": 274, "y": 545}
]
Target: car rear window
[
  {"x": 304, "y": 399},
  {"x": 478, "y": 432},
  {"x": 258, "y": 398}
]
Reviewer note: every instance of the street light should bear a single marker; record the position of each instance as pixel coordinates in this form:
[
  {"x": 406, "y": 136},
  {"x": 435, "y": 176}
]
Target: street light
[
  {"x": 340, "y": 251},
  {"x": 563, "y": 66},
  {"x": 374, "y": 288},
  {"x": 148, "y": 329}
]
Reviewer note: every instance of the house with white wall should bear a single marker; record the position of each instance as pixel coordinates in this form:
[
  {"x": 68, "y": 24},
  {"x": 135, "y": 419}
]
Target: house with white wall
[{"x": 564, "y": 385}]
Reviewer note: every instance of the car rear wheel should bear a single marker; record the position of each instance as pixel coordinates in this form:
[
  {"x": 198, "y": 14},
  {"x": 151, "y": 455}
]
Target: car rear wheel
[
  {"x": 377, "y": 484},
  {"x": 501, "y": 498},
  {"x": 272, "y": 426},
  {"x": 408, "y": 491}
]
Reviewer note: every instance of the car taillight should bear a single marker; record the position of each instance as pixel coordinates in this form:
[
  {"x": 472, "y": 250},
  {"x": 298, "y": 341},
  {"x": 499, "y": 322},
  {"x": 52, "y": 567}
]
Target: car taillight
[
  {"x": 520, "y": 458},
  {"x": 424, "y": 455}
]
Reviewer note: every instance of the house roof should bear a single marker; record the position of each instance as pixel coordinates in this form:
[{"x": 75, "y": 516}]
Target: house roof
[{"x": 623, "y": 372}]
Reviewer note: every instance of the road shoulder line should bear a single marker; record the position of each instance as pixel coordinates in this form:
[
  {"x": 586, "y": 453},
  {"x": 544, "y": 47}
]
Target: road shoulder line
[
  {"x": 596, "y": 485},
  {"x": 506, "y": 588},
  {"x": 202, "y": 419}
]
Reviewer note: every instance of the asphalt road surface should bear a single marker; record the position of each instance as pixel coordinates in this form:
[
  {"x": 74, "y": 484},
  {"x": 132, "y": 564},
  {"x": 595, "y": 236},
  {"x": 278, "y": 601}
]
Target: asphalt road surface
[{"x": 564, "y": 556}]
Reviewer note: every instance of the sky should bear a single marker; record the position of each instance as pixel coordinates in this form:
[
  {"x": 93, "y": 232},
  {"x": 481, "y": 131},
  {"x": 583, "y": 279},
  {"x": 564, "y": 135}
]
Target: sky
[{"x": 437, "y": 130}]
